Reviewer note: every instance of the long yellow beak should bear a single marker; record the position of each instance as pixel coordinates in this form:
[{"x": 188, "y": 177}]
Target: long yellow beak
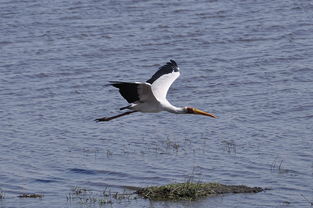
[{"x": 200, "y": 112}]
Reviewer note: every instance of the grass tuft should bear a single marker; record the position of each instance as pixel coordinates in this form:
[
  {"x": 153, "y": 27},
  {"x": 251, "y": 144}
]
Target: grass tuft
[
  {"x": 192, "y": 191},
  {"x": 78, "y": 190},
  {"x": 2, "y": 195},
  {"x": 25, "y": 195},
  {"x": 87, "y": 197}
]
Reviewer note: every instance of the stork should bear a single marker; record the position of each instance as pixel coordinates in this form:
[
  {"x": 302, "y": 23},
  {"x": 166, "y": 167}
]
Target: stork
[{"x": 150, "y": 96}]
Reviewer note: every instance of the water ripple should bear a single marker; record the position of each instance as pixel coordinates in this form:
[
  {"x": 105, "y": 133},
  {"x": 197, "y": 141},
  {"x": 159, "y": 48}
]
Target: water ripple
[{"x": 247, "y": 62}]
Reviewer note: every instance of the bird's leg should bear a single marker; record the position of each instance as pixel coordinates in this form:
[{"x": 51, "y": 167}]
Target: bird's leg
[{"x": 113, "y": 117}]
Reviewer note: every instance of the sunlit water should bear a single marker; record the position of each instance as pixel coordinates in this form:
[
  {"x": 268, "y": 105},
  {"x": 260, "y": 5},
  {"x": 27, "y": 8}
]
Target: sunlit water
[{"x": 248, "y": 62}]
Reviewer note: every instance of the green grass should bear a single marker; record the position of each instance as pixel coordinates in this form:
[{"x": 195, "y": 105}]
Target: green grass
[
  {"x": 192, "y": 191},
  {"x": 178, "y": 191}
]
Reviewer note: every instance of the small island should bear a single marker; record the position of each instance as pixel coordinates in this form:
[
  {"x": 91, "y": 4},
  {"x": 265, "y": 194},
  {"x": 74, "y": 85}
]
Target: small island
[{"x": 192, "y": 191}]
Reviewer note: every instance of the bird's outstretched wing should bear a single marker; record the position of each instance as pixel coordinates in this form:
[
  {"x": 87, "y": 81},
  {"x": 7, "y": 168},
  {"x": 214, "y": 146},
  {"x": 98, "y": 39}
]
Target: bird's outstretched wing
[
  {"x": 135, "y": 91},
  {"x": 163, "y": 79},
  {"x": 128, "y": 90}
]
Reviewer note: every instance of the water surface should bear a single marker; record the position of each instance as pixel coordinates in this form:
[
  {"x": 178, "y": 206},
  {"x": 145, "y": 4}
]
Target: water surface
[{"x": 250, "y": 63}]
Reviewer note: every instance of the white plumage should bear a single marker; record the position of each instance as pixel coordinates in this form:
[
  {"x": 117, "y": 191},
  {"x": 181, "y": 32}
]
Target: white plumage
[
  {"x": 150, "y": 96},
  {"x": 161, "y": 86}
]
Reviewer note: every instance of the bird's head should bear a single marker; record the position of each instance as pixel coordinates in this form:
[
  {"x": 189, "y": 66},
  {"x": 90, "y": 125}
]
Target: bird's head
[{"x": 191, "y": 110}]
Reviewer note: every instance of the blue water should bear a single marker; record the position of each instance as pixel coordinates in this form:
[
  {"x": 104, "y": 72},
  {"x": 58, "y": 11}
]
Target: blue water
[{"x": 248, "y": 62}]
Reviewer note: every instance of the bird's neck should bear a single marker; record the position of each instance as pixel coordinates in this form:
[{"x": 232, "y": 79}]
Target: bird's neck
[{"x": 174, "y": 109}]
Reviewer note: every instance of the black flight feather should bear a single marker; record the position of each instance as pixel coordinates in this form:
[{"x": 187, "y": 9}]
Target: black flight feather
[
  {"x": 169, "y": 67},
  {"x": 128, "y": 90}
]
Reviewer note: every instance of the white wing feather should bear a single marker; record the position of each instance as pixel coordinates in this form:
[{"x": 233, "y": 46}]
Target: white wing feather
[{"x": 160, "y": 86}]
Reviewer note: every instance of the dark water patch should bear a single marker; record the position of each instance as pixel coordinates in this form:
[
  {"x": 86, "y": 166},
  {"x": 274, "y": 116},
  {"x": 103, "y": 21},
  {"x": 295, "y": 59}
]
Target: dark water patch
[
  {"x": 83, "y": 171},
  {"x": 113, "y": 173},
  {"x": 45, "y": 181}
]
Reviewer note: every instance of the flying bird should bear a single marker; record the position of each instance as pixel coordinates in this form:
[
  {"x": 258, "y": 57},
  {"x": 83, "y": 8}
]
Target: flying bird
[{"x": 150, "y": 96}]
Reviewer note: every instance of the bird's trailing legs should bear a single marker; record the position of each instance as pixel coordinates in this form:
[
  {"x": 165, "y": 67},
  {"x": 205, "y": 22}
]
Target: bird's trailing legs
[{"x": 114, "y": 117}]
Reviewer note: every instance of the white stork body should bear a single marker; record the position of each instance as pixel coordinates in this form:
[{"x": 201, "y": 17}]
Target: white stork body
[
  {"x": 150, "y": 96},
  {"x": 149, "y": 103}
]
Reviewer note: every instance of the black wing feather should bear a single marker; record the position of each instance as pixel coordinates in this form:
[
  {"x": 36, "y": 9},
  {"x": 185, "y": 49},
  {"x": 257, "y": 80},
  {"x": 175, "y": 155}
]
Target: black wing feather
[
  {"x": 169, "y": 67},
  {"x": 128, "y": 90}
]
